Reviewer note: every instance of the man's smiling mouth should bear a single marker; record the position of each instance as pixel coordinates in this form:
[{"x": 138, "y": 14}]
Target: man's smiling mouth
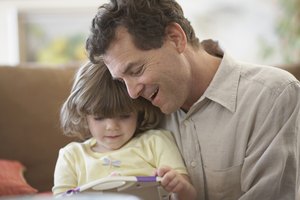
[{"x": 153, "y": 95}]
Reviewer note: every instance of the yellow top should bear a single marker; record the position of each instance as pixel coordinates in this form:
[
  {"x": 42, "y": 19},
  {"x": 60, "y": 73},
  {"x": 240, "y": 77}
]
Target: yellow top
[{"x": 77, "y": 164}]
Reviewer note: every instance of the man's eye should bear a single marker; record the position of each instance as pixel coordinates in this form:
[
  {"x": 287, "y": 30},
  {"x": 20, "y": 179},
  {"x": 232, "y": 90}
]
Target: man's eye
[{"x": 138, "y": 71}]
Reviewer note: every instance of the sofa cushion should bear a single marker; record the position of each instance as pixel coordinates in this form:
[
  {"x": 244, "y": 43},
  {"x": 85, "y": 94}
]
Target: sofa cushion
[
  {"x": 12, "y": 181},
  {"x": 30, "y": 101}
]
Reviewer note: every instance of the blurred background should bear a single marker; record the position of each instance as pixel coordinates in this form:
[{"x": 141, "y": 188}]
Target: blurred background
[{"x": 53, "y": 33}]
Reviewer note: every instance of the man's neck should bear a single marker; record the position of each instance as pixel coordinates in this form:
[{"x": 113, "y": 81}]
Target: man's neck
[{"x": 205, "y": 63}]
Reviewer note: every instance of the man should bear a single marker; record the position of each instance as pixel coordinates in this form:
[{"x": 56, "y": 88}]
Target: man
[{"x": 236, "y": 124}]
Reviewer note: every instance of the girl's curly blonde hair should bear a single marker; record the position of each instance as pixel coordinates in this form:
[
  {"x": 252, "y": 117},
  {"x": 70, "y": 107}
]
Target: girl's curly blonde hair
[{"x": 95, "y": 92}]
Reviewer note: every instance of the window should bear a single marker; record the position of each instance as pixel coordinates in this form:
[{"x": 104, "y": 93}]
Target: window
[{"x": 53, "y": 36}]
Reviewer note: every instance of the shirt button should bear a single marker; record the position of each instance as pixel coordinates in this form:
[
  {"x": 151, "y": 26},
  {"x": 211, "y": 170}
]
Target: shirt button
[
  {"x": 186, "y": 123},
  {"x": 193, "y": 163}
]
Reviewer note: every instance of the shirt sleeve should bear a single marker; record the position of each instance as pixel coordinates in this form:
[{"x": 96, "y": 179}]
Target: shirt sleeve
[
  {"x": 166, "y": 152},
  {"x": 271, "y": 165},
  {"x": 64, "y": 173}
]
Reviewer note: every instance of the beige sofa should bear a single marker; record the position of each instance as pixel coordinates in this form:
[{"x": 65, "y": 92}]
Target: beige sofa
[{"x": 30, "y": 100}]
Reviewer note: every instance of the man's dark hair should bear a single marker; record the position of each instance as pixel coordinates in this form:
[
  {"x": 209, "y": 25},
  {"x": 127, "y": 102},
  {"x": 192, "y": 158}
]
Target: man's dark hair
[{"x": 145, "y": 20}]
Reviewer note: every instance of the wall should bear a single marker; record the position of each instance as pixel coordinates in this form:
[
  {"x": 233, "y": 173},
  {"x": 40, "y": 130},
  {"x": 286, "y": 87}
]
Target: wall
[{"x": 242, "y": 27}]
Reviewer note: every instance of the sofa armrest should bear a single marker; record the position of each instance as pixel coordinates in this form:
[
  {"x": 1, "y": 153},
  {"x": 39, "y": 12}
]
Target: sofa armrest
[
  {"x": 30, "y": 101},
  {"x": 293, "y": 69}
]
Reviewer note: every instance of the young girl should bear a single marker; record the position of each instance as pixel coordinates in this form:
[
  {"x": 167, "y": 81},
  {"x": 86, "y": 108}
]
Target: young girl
[{"x": 116, "y": 129}]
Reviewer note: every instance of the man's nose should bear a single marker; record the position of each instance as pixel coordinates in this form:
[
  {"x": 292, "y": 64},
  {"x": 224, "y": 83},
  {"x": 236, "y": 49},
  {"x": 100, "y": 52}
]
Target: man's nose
[{"x": 133, "y": 88}]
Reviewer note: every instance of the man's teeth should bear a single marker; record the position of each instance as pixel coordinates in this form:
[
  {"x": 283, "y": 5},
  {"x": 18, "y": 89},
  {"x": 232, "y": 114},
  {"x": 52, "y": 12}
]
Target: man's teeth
[{"x": 154, "y": 94}]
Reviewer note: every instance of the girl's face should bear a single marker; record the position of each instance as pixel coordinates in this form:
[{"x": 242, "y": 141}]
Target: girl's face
[{"x": 112, "y": 133}]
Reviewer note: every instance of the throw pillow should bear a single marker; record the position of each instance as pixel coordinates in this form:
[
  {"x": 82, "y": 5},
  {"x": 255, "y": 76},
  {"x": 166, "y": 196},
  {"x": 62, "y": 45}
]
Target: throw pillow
[{"x": 12, "y": 181}]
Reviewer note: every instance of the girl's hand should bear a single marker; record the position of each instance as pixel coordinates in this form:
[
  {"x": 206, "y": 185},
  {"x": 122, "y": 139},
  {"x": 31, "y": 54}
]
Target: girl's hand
[{"x": 177, "y": 183}]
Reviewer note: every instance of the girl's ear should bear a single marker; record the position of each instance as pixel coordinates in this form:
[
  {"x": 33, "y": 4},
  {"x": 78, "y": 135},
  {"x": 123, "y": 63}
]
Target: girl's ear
[{"x": 175, "y": 34}]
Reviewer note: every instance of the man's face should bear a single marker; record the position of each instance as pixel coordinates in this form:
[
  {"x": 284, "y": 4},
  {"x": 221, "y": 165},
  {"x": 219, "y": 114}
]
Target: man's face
[{"x": 159, "y": 75}]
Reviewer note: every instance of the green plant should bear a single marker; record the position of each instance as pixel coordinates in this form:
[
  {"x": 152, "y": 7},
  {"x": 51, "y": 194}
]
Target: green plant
[{"x": 288, "y": 30}]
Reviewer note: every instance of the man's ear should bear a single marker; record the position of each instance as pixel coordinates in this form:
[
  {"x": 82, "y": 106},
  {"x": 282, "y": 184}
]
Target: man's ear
[{"x": 176, "y": 35}]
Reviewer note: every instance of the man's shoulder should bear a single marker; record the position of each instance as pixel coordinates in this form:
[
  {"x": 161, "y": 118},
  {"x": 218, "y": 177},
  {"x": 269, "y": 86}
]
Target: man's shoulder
[{"x": 269, "y": 77}]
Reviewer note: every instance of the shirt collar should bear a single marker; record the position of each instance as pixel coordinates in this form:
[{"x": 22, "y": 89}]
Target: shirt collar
[{"x": 223, "y": 88}]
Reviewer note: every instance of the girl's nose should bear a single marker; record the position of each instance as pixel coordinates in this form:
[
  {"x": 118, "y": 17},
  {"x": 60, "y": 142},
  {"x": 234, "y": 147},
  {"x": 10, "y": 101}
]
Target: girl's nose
[{"x": 112, "y": 125}]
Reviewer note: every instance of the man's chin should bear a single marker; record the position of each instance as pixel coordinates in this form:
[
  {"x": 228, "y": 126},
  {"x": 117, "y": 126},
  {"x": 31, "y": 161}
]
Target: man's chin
[{"x": 166, "y": 110}]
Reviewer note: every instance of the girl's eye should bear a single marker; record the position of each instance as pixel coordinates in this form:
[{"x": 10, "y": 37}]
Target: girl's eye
[
  {"x": 125, "y": 116},
  {"x": 98, "y": 118},
  {"x": 120, "y": 80}
]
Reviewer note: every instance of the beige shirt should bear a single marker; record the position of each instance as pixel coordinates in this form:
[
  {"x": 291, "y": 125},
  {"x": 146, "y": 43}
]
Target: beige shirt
[{"x": 240, "y": 140}]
